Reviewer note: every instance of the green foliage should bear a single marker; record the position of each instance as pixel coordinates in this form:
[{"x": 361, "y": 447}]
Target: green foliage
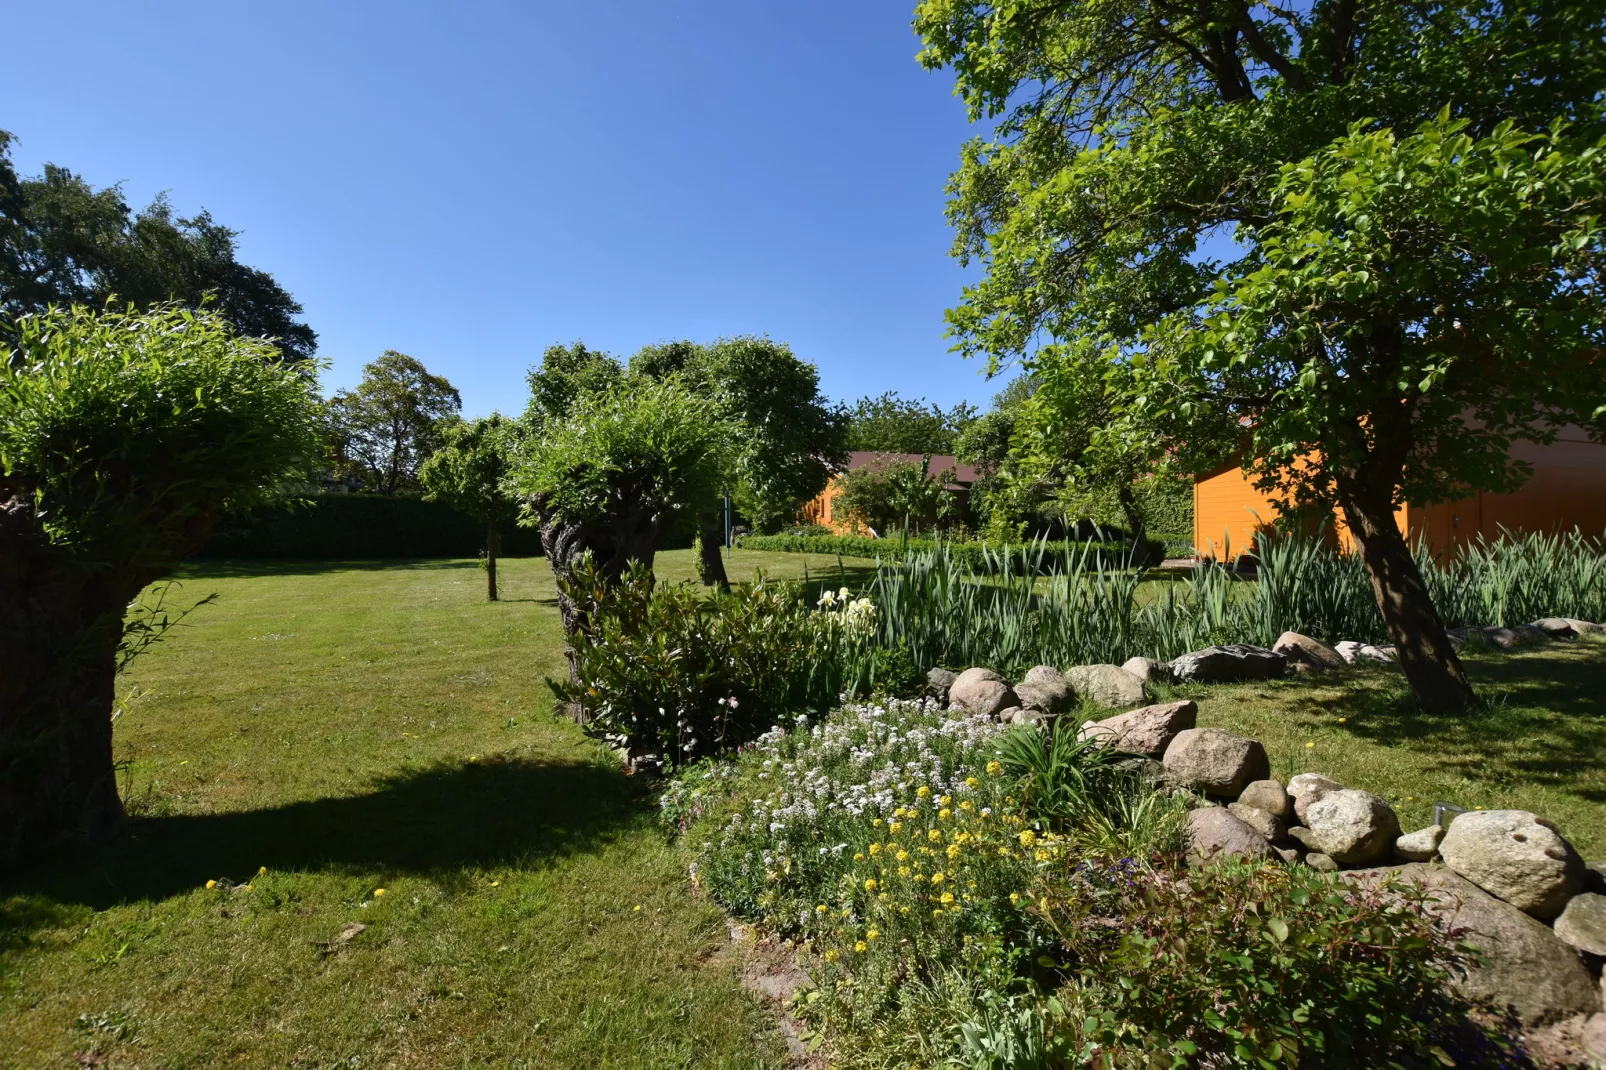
[
  {"x": 790, "y": 440},
  {"x": 1257, "y": 965},
  {"x": 669, "y": 671},
  {"x": 891, "y": 424},
  {"x": 896, "y": 496},
  {"x": 467, "y": 472},
  {"x": 565, "y": 375},
  {"x": 362, "y": 527},
  {"x": 63, "y": 242},
  {"x": 983, "y": 558},
  {"x": 653, "y": 450},
  {"x": 384, "y": 430},
  {"x": 131, "y": 432}
]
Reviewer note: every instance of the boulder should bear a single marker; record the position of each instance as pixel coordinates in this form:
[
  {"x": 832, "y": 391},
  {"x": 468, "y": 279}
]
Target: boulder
[
  {"x": 1594, "y": 1038},
  {"x": 1525, "y": 968},
  {"x": 1148, "y": 670},
  {"x": 1508, "y": 638},
  {"x": 1213, "y": 833},
  {"x": 1357, "y": 653},
  {"x": 1303, "y": 650},
  {"x": 1146, "y": 731},
  {"x": 1583, "y": 923},
  {"x": 1421, "y": 845},
  {"x": 1016, "y": 715},
  {"x": 1046, "y": 690},
  {"x": 1215, "y": 761},
  {"x": 1352, "y": 826},
  {"x": 1287, "y": 854},
  {"x": 939, "y": 682},
  {"x": 1306, "y": 788},
  {"x": 1270, "y": 796},
  {"x": 1516, "y": 856},
  {"x": 1228, "y": 664},
  {"x": 1106, "y": 685},
  {"x": 981, "y": 691},
  {"x": 1270, "y": 826},
  {"x": 1320, "y": 862},
  {"x": 1564, "y": 627}
]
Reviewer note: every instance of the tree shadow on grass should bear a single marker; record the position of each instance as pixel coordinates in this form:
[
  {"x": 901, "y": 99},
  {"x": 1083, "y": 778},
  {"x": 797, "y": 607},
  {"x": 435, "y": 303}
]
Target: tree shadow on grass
[
  {"x": 437, "y": 821},
  {"x": 242, "y": 568},
  {"x": 1539, "y": 719}
]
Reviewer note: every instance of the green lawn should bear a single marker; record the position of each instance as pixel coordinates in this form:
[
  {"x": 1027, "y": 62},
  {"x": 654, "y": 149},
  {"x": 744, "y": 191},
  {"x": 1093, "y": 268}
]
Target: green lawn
[
  {"x": 351, "y": 728},
  {"x": 367, "y": 726}
]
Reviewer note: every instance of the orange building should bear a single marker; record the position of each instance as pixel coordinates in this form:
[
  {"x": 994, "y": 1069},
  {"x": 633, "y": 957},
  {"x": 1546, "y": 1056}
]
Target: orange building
[
  {"x": 821, "y": 509},
  {"x": 1567, "y": 490}
]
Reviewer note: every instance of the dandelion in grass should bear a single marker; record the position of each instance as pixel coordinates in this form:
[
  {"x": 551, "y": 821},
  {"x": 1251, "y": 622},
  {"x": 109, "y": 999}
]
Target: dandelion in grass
[
  {"x": 211, "y": 884},
  {"x": 378, "y": 892}
]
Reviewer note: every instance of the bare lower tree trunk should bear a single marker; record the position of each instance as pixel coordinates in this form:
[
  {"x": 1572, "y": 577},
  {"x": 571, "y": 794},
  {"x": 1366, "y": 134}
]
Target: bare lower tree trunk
[
  {"x": 60, "y": 625},
  {"x": 493, "y": 545},
  {"x": 710, "y": 563},
  {"x": 1429, "y": 661}
]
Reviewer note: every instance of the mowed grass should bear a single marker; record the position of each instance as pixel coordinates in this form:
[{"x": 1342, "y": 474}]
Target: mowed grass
[
  {"x": 355, "y": 727},
  {"x": 351, "y": 728},
  {"x": 1538, "y": 741}
]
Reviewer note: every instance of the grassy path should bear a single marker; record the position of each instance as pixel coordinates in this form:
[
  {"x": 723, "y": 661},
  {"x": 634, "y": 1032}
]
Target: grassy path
[{"x": 350, "y": 729}]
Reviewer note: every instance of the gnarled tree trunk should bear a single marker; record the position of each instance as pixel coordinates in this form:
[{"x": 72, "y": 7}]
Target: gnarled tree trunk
[
  {"x": 710, "y": 538},
  {"x": 60, "y": 625}
]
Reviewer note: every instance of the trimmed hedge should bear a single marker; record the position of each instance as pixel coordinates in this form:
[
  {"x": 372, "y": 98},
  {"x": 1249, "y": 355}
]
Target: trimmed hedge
[
  {"x": 362, "y": 526},
  {"x": 976, "y": 555}
]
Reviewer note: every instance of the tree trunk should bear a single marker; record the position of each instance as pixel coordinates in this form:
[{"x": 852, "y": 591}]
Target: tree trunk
[
  {"x": 493, "y": 543},
  {"x": 710, "y": 539},
  {"x": 1429, "y": 661},
  {"x": 60, "y": 625}
]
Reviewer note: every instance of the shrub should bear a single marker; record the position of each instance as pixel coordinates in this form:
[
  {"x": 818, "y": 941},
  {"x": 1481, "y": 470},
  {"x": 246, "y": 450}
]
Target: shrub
[
  {"x": 355, "y": 527},
  {"x": 681, "y": 673},
  {"x": 1260, "y": 965}
]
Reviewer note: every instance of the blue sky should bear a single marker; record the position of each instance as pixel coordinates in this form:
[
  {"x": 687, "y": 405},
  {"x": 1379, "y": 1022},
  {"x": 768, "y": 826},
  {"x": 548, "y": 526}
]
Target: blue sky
[{"x": 471, "y": 182}]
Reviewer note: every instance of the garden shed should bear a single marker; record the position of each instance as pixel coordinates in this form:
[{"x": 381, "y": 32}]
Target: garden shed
[
  {"x": 819, "y": 510},
  {"x": 1566, "y": 490}
]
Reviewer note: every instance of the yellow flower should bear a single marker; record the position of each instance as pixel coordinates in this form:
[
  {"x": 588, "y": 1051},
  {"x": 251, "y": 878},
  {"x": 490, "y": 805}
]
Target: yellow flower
[
  {"x": 953, "y": 850},
  {"x": 972, "y": 782},
  {"x": 903, "y": 910},
  {"x": 1014, "y": 897},
  {"x": 861, "y": 947},
  {"x": 211, "y": 884},
  {"x": 262, "y": 871},
  {"x": 918, "y": 877},
  {"x": 935, "y": 835},
  {"x": 967, "y": 806},
  {"x": 820, "y": 909},
  {"x": 946, "y": 800},
  {"x": 1343, "y": 720},
  {"x": 875, "y": 848},
  {"x": 923, "y": 792},
  {"x": 900, "y": 812},
  {"x": 873, "y": 934},
  {"x": 944, "y": 814},
  {"x": 858, "y": 856},
  {"x": 1309, "y": 745},
  {"x": 832, "y": 955},
  {"x": 895, "y": 827},
  {"x": 937, "y": 878},
  {"x": 993, "y": 768},
  {"x": 1027, "y": 838},
  {"x": 1042, "y": 855},
  {"x": 882, "y": 898},
  {"x": 245, "y": 887},
  {"x": 902, "y": 856},
  {"x": 378, "y": 892},
  {"x": 846, "y": 913},
  {"x": 937, "y": 913},
  {"x": 903, "y": 871},
  {"x": 869, "y": 884},
  {"x": 947, "y": 899}
]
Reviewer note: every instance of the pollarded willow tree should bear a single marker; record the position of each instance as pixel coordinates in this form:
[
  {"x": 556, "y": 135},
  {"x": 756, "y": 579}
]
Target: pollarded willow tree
[
  {"x": 615, "y": 475},
  {"x": 1359, "y": 234},
  {"x": 469, "y": 472},
  {"x": 123, "y": 438}
]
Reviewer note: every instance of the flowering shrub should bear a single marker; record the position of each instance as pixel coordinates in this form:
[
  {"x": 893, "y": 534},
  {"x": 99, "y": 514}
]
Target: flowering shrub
[{"x": 682, "y": 673}]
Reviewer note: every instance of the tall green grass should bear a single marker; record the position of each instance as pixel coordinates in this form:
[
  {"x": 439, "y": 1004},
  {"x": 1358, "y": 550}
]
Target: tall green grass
[{"x": 1013, "y": 611}]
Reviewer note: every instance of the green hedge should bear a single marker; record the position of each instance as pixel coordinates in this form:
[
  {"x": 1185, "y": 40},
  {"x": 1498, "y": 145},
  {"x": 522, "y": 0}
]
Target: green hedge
[
  {"x": 360, "y": 526},
  {"x": 977, "y": 555}
]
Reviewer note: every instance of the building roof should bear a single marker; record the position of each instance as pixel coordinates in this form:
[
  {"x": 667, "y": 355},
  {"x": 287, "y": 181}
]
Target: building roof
[{"x": 964, "y": 474}]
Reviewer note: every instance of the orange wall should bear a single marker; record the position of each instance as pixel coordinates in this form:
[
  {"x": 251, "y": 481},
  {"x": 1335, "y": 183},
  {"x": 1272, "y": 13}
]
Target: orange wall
[{"x": 1567, "y": 490}]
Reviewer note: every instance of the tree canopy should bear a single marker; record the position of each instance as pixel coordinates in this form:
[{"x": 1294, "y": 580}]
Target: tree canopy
[
  {"x": 64, "y": 242},
  {"x": 388, "y": 426},
  {"x": 893, "y": 424},
  {"x": 1357, "y": 232}
]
